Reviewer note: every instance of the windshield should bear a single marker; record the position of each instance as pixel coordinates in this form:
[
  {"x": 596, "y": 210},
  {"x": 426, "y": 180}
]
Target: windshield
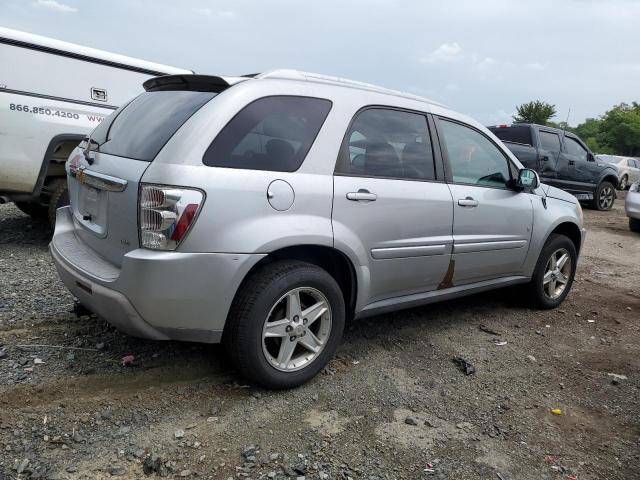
[{"x": 140, "y": 129}]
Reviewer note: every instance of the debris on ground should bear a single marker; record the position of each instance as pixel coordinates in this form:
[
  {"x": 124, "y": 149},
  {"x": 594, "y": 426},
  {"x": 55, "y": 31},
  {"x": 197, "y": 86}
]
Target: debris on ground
[
  {"x": 488, "y": 330},
  {"x": 465, "y": 367},
  {"x": 349, "y": 423},
  {"x": 128, "y": 360}
]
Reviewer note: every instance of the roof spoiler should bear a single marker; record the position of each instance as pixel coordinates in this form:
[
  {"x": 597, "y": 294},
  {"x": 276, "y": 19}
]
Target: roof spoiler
[{"x": 194, "y": 83}]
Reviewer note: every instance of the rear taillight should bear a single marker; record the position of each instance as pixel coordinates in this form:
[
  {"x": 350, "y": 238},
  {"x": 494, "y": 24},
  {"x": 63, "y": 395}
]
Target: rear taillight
[{"x": 166, "y": 214}]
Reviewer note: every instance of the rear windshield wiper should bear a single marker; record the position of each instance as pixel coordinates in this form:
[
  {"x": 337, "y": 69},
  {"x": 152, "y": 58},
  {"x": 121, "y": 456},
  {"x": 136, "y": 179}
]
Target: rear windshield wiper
[{"x": 90, "y": 148}]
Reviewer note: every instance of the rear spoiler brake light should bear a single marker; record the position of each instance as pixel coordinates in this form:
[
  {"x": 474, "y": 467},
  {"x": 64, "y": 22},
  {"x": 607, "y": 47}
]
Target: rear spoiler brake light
[{"x": 194, "y": 83}]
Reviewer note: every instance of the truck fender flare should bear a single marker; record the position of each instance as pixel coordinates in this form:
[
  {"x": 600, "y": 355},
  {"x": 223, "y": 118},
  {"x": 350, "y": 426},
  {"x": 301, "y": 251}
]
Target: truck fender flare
[
  {"x": 44, "y": 168},
  {"x": 608, "y": 174}
]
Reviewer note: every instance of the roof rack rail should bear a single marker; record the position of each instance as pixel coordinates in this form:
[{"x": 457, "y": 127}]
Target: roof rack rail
[{"x": 286, "y": 74}]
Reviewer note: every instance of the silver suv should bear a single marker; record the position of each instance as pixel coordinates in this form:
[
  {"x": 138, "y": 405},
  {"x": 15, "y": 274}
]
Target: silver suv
[{"x": 264, "y": 211}]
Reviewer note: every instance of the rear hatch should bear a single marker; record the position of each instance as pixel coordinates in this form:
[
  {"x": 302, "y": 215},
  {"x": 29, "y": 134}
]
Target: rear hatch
[{"x": 105, "y": 171}]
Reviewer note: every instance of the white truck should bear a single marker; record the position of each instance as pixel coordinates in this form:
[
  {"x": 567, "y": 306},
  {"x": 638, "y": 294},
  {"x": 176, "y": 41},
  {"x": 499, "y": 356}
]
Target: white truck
[{"x": 52, "y": 94}]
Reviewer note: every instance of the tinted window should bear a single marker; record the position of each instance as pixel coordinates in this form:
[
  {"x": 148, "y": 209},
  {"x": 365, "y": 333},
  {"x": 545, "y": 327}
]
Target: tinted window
[
  {"x": 473, "y": 158},
  {"x": 99, "y": 134},
  {"x": 140, "y": 129},
  {"x": 388, "y": 143},
  {"x": 273, "y": 133},
  {"x": 574, "y": 148},
  {"x": 513, "y": 134},
  {"x": 550, "y": 141}
]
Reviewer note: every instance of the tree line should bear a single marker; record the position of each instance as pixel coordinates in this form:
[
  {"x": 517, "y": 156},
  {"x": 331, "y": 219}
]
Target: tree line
[{"x": 616, "y": 132}]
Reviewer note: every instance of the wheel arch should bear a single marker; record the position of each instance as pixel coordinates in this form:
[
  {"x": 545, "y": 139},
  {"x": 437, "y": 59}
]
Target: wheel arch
[
  {"x": 570, "y": 230},
  {"x": 611, "y": 177},
  {"x": 54, "y": 146},
  {"x": 335, "y": 262}
]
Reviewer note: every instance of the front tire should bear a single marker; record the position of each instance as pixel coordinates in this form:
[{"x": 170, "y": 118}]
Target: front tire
[
  {"x": 605, "y": 196},
  {"x": 554, "y": 273},
  {"x": 285, "y": 324},
  {"x": 634, "y": 225}
]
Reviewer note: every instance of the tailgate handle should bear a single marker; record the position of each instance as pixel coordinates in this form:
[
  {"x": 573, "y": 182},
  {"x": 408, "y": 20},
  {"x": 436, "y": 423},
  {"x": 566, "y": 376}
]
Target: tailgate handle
[{"x": 99, "y": 180}]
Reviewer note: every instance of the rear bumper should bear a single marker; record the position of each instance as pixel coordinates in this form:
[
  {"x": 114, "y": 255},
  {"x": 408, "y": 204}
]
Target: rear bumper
[{"x": 157, "y": 295}]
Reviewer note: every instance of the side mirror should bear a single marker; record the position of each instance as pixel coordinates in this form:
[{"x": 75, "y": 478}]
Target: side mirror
[
  {"x": 590, "y": 157},
  {"x": 528, "y": 178}
]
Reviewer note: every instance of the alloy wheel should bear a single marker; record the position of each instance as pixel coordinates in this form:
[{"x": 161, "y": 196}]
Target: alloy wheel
[
  {"x": 297, "y": 329},
  {"x": 557, "y": 273},
  {"x": 605, "y": 199}
]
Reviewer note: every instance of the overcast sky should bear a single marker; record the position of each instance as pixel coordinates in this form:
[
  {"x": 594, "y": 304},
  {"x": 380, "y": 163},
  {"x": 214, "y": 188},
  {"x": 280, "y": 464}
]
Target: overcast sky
[{"x": 480, "y": 57}]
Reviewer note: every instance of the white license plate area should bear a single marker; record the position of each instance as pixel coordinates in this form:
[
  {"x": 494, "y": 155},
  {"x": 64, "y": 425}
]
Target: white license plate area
[
  {"x": 92, "y": 208},
  {"x": 584, "y": 196},
  {"x": 90, "y": 197}
]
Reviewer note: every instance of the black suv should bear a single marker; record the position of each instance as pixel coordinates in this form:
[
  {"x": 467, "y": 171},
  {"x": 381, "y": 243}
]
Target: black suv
[{"x": 562, "y": 160}]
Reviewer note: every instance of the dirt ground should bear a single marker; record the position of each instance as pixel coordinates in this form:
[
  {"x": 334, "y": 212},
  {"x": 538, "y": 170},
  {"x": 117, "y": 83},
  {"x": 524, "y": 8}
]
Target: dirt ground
[{"x": 391, "y": 405}]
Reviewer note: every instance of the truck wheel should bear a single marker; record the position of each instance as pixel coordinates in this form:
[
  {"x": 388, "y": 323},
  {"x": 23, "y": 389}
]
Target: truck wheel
[
  {"x": 634, "y": 225},
  {"x": 285, "y": 324},
  {"x": 59, "y": 198},
  {"x": 33, "y": 209},
  {"x": 554, "y": 273},
  {"x": 604, "y": 196},
  {"x": 623, "y": 183}
]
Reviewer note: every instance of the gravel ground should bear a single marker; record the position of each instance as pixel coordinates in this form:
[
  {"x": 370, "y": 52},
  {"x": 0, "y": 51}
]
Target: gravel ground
[{"x": 392, "y": 404}]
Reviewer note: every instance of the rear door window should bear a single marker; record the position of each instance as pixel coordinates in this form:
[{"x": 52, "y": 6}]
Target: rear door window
[
  {"x": 272, "y": 133},
  {"x": 140, "y": 129},
  {"x": 388, "y": 143},
  {"x": 550, "y": 141}
]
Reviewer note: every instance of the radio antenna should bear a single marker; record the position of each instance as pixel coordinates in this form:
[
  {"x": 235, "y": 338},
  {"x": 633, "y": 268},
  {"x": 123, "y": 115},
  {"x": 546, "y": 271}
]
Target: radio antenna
[
  {"x": 564, "y": 129},
  {"x": 566, "y": 124}
]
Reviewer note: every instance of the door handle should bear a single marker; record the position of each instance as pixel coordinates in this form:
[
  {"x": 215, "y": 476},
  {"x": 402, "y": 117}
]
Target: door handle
[
  {"x": 362, "y": 195},
  {"x": 544, "y": 158},
  {"x": 572, "y": 162},
  {"x": 467, "y": 202}
]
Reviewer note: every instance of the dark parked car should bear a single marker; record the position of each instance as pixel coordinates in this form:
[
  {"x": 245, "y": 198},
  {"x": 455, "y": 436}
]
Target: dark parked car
[{"x": 562, "y": 160}]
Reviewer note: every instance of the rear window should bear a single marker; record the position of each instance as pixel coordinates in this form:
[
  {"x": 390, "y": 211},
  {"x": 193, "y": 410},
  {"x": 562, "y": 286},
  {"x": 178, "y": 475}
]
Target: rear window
[
  {"x": 272, "y": 133},
  {"x": 141, "y": 128},
  {"x": 549, "y": 141},
  {"x": 513, "y": 134}
]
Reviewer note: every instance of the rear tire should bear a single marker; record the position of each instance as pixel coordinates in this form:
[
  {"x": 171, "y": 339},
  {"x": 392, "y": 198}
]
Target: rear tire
[
  {"x": 259, "y": 330},
  {"x": 604, "y": 196},
  {"x": 634, "y": 225},
  {"x": 545, "y": 290},
  {"x": 33, "y": 209},
  {"x": 624, "y": 183},
  {"x": 59, "y": 198}
]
